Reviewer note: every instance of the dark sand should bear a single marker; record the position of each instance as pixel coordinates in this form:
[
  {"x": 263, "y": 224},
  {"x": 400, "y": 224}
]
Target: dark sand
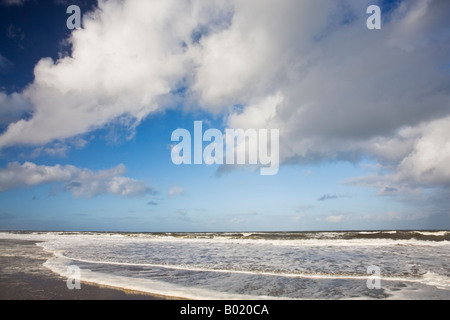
[{"x": 23, "y": 277}]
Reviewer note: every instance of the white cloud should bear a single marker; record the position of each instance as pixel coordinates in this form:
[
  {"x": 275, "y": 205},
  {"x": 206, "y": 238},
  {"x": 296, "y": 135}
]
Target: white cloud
[
  {"x": 90, "y": 184},
  {"x": 428, "y": 162},
  {"x": 175, "y": 191},
  {"x": 256, "y": 115},
  {"x": 255, "y": 56},
  {"x": 81, "y": 182},
  {"x": 59, "y": 149},
  {"x": 387, "y": 184},
  {"x": 125, "y": 61},
  {"x": 30, "y": 174},
  {"x": 335, "y": 219},
  {"x": 346, "y": 92},
  {"x": 423, "y": 162},
  {"x": 310, "y": 68}
]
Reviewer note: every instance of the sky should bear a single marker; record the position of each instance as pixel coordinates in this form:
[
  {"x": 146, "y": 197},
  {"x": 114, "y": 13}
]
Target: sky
[{"x": 87, "y": 115}]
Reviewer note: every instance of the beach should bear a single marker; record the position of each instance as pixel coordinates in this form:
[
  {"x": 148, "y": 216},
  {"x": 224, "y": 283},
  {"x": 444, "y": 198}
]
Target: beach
[
  {"x": 23, "y": 277},
  {"x": 226, "y": 266}
]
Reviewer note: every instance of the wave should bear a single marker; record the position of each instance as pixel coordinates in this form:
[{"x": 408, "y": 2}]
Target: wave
[
  {"x": 429, "y": 278},
  {"x": 59, "y": 265},
  {"x": 280, "y": 239},
  {"x": 232, "y": 290},
  {"x": 253, "y": 265},
  {"x": 424, "y": 235}
]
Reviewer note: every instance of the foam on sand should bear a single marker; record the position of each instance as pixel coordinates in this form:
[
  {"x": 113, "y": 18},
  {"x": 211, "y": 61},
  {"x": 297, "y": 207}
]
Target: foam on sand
[{"x": 60, "y": 265}]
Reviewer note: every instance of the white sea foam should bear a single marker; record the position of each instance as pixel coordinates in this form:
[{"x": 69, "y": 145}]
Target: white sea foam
[
  {"x": 60, "y": 264},
  {"x": 429, "y": 278},
  {"x": 432, "y": 233},
  {"x": 326, "y": 240},
  {"x": 247, "y": 268},
  {"x": 438, "y": 280},
  {"x": 376, "y": 232}
]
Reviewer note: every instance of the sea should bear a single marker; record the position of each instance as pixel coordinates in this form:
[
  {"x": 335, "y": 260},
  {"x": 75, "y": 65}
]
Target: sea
[{"x": 256, "y": 265}]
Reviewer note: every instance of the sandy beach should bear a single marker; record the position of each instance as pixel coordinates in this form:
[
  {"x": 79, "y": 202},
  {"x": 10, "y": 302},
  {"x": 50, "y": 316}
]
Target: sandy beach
[{"x": 23, "y": 277}]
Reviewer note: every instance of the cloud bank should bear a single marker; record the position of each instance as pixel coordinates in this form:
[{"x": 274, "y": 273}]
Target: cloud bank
[
  {"x": 80, "y": 182},
  {"x": 335, "y": 89}
]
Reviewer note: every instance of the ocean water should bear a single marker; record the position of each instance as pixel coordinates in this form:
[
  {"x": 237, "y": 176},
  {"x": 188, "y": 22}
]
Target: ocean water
[{"x": 258, "y": 265}]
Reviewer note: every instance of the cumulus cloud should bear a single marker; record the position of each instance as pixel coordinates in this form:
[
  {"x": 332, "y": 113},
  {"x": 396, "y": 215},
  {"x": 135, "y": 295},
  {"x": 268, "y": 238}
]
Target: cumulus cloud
[
  {"x": 427, "y": 163},
  {"x": 81, "y": 182},
  {"x": 423, "y": 162},
  {"x": 126, "y": 59},
  {"x": 348, "y": 85},
  {"x": 345, "y": 92},
  {"x": 336, "y": 90}
]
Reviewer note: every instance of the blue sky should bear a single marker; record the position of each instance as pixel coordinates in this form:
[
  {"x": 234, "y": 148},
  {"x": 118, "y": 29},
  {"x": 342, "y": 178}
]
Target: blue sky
[{"x": 85, "y": 140}]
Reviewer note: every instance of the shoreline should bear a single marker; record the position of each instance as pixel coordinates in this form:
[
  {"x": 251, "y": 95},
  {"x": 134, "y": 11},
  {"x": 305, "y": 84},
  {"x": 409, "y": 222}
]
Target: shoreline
[
  {"x": 32, "y": 268},
  {"x": 24, "y": 277}
]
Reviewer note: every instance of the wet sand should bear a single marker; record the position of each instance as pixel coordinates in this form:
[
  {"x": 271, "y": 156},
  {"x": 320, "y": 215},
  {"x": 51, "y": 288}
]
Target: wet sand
[{"x": 23, "y": 277}]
